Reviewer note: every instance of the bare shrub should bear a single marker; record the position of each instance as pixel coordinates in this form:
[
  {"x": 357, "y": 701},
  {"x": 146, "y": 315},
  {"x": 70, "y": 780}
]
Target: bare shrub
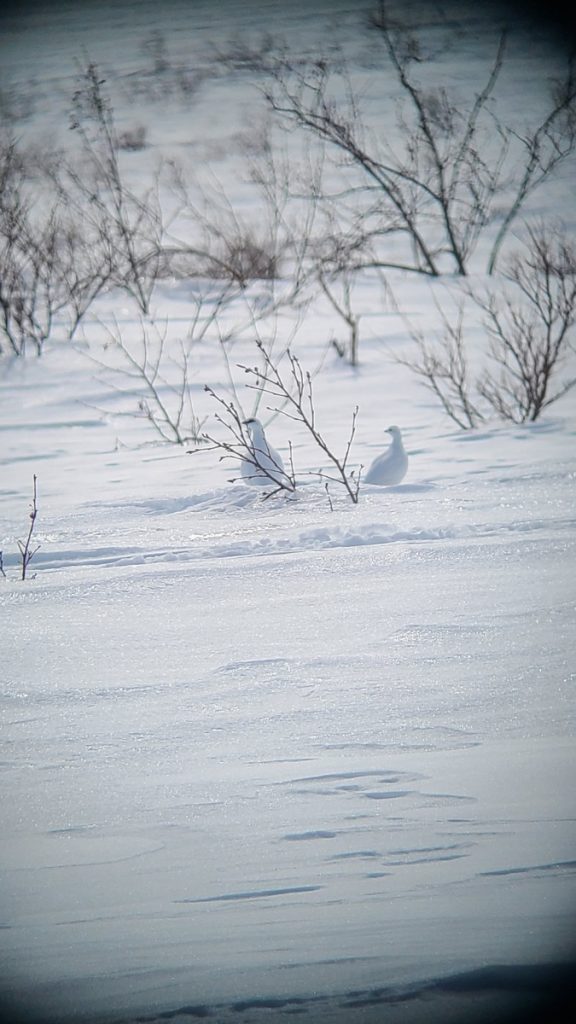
[
  {"x": 47, "y": 267},
  {"x": 442, "y": 366},
  {"x": 343, "y": 306},
  {"x": 241, "y": 54},
  {"x": 162, "y": 78},
  {"x": 245, "y": 258},
  {"x": 84, "y": 271},
  {"x": 277, "y": 373},
  {"x": 529, "y": 327},
  {"x": 132, "y": 139},
  {"x": 26, "y": 306},
  {"x": 440, "y": 187},
  {"x": 238, "y": 444},
  {"x": 129, "y": 229},
  {"x": 156, "y": 371},
  {"x": 293, "y": 392},
  {"x": 27, "y": 552},
  {"x": 541, "y": 149},
  {"x": 528, "y": 320},
  {"x": 124, "y": 226},
  {"x": 26, "y": 547},
  {"x": 154, "y": 47},
  {"x": 224, "y": 244},
  {"x": 176, "y": 83},
  {"x": 17, "y": 104},
  {"x": 156, "y": 375}
]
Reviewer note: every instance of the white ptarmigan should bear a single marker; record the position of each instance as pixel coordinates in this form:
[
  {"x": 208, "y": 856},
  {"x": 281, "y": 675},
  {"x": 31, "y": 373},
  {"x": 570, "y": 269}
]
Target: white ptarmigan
[
  {"x": 264, "y": 468},
  {"x": 391, "y": 467}
]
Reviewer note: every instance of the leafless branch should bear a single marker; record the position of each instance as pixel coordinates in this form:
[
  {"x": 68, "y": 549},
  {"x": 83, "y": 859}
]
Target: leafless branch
[
  {"x": 442, "y": 366},
  {"x": 435, "y": 192},
  {"x": 27, "y": 552},
  {"x": 162, "y": 377},
  {"x": 239, "y": 446},
  {"x": 344, "y": 310},
  {"x": 529, "y": 327},
  {"x": 125, "y": 227},
  {"x": 529, "y": 320},
  {"x": 295, "y": 394},
  {"x": 543, "y": 148}
]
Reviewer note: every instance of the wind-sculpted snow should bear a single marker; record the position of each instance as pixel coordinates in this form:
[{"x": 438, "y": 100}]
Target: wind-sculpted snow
[
  {"x": 317, "y": 538},
  {"x": 307, "y": 744},
  {"x": 268, "y": 756}
]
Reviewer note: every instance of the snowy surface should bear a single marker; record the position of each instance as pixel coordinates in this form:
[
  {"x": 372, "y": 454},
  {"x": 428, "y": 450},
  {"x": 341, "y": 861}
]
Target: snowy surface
[{"x": 272, "y": 757}]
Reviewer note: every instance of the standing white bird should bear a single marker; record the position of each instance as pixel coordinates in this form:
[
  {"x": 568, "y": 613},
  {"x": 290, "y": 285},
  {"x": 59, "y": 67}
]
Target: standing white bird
[
  {"x": 264, "y": 467},
  {"x": 391, "y": 467}
]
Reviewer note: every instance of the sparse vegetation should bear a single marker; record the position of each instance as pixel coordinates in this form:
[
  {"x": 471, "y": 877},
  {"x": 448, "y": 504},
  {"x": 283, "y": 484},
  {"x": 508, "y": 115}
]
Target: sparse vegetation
[
  {"x": 27, "y": 551},
  {"x": 294, "y": 393},
  {"x": 291, "y": 389},
  {"x": 17, "y": 105},
  {"x": 528, "y": 319},
  {"x": 242, "y": 54},
  {"x": 442, "y": 365},
  {"x": 422, "y": 201},
  {"x": 343, "y": 306},
  {"x": 125, "y": 226},
  {"x": 157, "y": 374},
  {"x": 47, "y": 267},
  {"x": 529, "y": 324},
  {"x": 237, "y": 444},
  {"x": 422, "y": 207},
  {"x": 132, "y": 139}
]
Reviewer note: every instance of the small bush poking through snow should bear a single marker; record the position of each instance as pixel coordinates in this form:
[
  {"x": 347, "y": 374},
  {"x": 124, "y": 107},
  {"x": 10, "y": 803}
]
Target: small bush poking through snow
[{"x": 132, "y": 139}]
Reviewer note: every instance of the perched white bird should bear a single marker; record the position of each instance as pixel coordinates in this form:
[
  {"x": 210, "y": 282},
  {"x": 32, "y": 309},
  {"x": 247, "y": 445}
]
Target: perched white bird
[
  {"x": 391, "y": 467},
  {"x": 265, "y": 459}
]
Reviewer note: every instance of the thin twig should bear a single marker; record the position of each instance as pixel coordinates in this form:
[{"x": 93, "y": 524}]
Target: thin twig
[
  {"x": 26, "y": 552},
  {"x": 296, "y": 395},
  {"x": 242, "y": 448}
]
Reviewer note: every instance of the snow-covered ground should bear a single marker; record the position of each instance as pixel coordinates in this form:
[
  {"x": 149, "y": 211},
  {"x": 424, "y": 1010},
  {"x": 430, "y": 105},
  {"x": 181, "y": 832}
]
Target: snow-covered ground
[{"x": 294, "y": 756}]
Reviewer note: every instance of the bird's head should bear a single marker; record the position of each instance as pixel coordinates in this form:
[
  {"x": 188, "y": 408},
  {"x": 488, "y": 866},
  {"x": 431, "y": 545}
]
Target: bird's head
[
  {"x": 253, "y": 423},
  {"x": 394, "y": 431}
]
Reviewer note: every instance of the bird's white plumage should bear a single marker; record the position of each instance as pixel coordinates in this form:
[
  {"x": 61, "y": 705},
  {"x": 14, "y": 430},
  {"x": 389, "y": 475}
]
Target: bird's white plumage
[
  {"x": 391, "y": 467},
  {"x": 264, "y": 467}
]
